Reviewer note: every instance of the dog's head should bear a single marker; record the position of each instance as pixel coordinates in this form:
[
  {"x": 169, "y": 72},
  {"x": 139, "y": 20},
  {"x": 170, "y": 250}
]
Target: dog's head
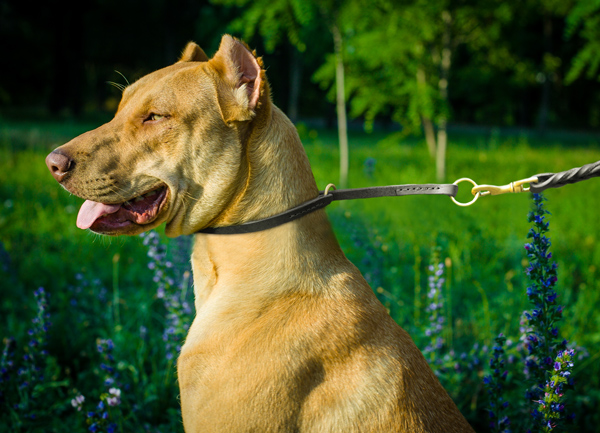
[{"x": 173, "y": 151}]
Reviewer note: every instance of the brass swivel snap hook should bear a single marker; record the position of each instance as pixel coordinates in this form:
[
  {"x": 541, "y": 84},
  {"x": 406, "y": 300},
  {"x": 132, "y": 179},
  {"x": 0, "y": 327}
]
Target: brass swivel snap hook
[
  {"x": 516, "y": 186},
  {"x": 483, "y": 190}
]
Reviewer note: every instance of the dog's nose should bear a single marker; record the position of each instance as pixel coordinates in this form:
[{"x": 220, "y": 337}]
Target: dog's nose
[{"x": 59, "y": 165}]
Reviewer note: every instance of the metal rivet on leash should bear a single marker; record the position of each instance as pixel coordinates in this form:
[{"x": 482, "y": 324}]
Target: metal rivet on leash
[{"x": 328, "y": 187}]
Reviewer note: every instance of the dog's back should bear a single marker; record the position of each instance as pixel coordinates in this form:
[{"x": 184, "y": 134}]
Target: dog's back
[{"x": 302, "y": 345}]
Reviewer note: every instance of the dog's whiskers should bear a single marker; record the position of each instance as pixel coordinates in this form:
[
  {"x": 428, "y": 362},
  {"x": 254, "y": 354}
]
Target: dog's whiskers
[
  {"x": 124, "y": 77},
  {"x": 117, "y": 190},
  {"x": 121, "y": 87}
]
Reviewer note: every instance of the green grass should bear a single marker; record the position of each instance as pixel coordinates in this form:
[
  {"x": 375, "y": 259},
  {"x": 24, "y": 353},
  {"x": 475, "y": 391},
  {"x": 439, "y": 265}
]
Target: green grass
[
  {"x": 37, "y": 217},
  {"x": 484, "y": 241},
  {"x": 389, "y": 239}
]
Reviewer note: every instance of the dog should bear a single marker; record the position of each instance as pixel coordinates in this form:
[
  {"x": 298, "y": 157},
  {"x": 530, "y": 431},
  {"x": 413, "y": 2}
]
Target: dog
[{"x": 288, "y": 336}]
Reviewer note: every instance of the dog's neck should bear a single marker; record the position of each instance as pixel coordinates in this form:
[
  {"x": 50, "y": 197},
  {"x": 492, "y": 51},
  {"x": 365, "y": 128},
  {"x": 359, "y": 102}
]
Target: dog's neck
[
  {"x": 276, "y": 173},
  {"x": 278, "y": 178}
]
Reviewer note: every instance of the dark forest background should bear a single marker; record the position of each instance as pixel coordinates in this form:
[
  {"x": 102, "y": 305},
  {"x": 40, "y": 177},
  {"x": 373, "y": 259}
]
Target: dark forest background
[{"x": 57, "y": 59}]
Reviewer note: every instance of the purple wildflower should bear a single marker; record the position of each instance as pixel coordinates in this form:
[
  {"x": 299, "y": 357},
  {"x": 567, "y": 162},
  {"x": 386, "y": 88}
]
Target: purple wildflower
[
  {"x": 30, "y": 374},
  {"x": 102, "y": 417},
  {"x": 551, "y": 407},
  {"x": 172, "y": 294},
  {"x": 7, "y": 365},
  {"x": 105, "y": 348},
  {"x": 435, "y": 307},
  {"x": 494, "y": 383},
  {"x": 114, "y": 397},
  {"x": 77, "y": 402},
  {"x": 544, "y": 358}
]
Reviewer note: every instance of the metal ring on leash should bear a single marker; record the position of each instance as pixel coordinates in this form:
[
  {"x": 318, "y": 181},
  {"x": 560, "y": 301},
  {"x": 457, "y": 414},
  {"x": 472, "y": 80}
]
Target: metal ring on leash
[
  {"x": 328, "y": 187},
  {"x": 463, "y": 179}
]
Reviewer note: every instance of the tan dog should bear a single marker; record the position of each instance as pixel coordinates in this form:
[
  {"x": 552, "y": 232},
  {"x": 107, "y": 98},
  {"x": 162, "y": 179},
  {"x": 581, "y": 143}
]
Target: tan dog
[{"x": 288, "y": 336}]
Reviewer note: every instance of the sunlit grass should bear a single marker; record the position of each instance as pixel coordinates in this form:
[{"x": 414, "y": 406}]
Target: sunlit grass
[{"x": 389, "y": 239}]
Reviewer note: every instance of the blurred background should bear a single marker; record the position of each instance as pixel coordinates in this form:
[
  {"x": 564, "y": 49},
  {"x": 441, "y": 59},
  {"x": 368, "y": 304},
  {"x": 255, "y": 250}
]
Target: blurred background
[
  {"x": 524, "y": 64},
  {"x": 382, "y": 92}
]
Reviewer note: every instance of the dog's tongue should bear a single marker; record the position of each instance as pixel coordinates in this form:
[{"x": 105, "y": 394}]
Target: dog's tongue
[{"x": 90, "y": 211}]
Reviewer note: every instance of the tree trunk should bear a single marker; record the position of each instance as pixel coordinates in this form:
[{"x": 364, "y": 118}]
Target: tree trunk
[
  {"x": 429, "y": 135},
  {"x": 440, "y": 157},
  {"x": 341, "y": 105},
  {"x": 442, "y": 135},
  {"x": 425, "y": 120}
]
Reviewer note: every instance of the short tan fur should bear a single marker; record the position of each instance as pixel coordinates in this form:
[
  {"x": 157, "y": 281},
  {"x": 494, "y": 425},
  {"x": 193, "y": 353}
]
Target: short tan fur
[{"x": 288, "y": 336}]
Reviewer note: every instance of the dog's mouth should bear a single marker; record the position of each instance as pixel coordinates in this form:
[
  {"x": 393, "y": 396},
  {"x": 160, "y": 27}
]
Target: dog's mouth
[{"x": 104, "y": 218}]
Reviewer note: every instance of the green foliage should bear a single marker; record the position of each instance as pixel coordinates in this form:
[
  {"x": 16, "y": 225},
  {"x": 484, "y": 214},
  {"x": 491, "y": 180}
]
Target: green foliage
[
  {"x": 585, "y": 17},
  {"x": 272, "y": 20},
  {"x": 383, "y": 81},
  {"x": 504, "y": 57},
  {"x": 393, "y": 54}
]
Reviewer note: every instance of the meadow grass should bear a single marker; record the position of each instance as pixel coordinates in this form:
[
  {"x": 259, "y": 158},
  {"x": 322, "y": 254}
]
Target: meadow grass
[{"x": 102, "y": 288}]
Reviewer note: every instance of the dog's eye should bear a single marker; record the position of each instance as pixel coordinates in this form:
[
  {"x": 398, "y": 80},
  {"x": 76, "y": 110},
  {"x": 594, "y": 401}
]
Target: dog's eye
[{"x": 153, "y": 117}]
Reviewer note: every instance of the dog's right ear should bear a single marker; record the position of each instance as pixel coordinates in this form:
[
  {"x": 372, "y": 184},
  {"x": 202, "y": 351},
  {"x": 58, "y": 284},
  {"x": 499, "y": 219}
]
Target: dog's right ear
[
  {"x": 193, "y": 53},
  {"x": 243, "y": 77}
]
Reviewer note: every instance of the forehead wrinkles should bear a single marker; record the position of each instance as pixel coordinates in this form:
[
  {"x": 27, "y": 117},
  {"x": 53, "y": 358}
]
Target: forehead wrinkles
[
  {"x": 161, "y": 97},
  {"x": 151, "y": 88}
]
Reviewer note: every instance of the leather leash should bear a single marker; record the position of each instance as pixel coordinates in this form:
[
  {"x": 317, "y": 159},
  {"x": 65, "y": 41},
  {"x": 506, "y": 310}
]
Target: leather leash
[
  {"x": 326, "y": 197},
  {"x": 535, "y": 184}
]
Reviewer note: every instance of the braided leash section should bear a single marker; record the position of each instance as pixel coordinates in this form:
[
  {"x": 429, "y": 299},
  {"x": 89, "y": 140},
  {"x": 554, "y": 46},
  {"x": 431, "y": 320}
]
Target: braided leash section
[{"x": 556, "y": 180}]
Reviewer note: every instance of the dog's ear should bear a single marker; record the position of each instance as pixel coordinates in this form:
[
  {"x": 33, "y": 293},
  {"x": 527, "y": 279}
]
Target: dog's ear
[
  {"x": 193, "y": 53},
  {"x": 242, "y": 72}
]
